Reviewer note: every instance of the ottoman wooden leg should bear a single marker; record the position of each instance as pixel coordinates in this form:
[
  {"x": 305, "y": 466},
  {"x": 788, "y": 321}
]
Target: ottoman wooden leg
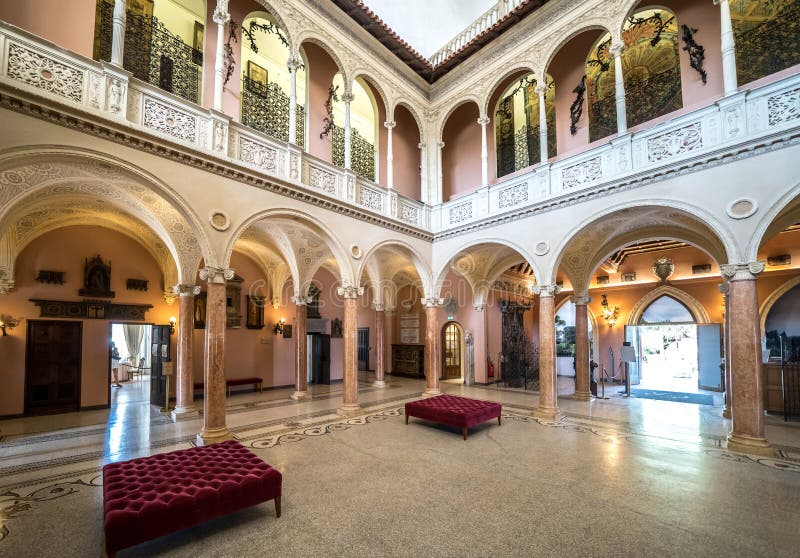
[
  {"x": 499, "y": 421},
  {"x": 278, "y": 506},
  {"x": 406, "y": 419},
  {"x": 464, "y": 430}
]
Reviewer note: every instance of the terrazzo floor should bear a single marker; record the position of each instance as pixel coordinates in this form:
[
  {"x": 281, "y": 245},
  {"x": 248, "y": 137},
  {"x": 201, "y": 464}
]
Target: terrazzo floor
[{"x": 616, "y": 477}]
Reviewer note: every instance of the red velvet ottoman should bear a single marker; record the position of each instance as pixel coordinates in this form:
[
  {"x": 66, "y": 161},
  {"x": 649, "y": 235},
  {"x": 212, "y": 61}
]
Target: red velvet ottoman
[
  {"x": 460, "y": 412},
  {"x": 152, "y": 496}
]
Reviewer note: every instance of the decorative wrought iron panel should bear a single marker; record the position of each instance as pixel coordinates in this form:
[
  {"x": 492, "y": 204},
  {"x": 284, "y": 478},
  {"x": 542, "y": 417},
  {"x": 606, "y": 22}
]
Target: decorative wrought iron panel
[
  {"x": 362, "y": 153},
  {"x": 767, "y": 37},
  {"x": 266, "y": 108},
  {"x": 520, "y": 362}
]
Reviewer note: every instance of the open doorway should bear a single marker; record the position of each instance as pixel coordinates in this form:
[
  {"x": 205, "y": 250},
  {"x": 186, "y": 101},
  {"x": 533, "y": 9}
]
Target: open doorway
[{"x": 129, "y": 376}]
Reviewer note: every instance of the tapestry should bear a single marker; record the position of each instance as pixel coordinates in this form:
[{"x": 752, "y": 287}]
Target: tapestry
[
  {"x": 651, "y": 69},
  {"x": 767, "y": 36}
]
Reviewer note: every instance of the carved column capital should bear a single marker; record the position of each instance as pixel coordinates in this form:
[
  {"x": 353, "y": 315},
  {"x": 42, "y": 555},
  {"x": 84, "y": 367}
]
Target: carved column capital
[
  {"x": 580, "y": 299},
  {"x": 216, "y": 274},
  {"x": 546, "y": 290},
  {"x": 301, "y": 300},
  {"x": 186, "y": 289},
  {"x": 350, "y": 291},
  {"x": 440, "y": 144},
  {"x": 6, "y": 286},
  {"x": 541, "y": 89},
  {"x": 617, "y": 48},
  {"x": 221, "y": 15},
  {"x": 348, "y": 98},
  {"x": 294, "y": 61},
  {"x": 479, "y": 307},
  {"x": 484, "y": 120},
  {"x": 742, "y": 271},
  {"x": 431, "y": 302},
  {"x": 379, "y": 307},
  {"x": 389, "y": 125},
  {"x": 421, "y": 145},
  {"x": 724, "y": 288}
]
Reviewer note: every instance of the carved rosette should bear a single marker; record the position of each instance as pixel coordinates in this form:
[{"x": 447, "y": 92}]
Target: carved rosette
[
  {"x": 742, "y": 271},
  {"x": 216, "y": 275}
]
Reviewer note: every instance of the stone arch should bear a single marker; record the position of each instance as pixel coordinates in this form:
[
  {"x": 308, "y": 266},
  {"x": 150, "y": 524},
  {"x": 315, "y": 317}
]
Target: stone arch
[
  {"x": 770, "y": 301},
  {"x": 469, "y": 98},
  {"x": 69, "y": 171},
  {"x": 410, "y": 253},
  {"x": 595, "y": 24},
  {"x": 368, "y": 78},
  {"x": 410, "y": 108},
  {"x": 280, "y": 17},
  {"x": 490, "y": 91},
  {"x": 694, "y": 306},
  {"x": 311, "y": 36},
  {"x": 782, "y": 213},
  {"x": 346, "y": 274},
  {"x": 580, "y": 252}
]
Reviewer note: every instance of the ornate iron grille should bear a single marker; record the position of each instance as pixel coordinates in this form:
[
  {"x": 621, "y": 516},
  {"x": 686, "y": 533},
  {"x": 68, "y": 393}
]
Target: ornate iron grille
[
  {"x": 520, "y": 358},
  {"x": 154, "y": 54},
  {"x": 362, "y": 152},
  {"x": 767, "y": 37},
  {"x": 266, "y": 108}
]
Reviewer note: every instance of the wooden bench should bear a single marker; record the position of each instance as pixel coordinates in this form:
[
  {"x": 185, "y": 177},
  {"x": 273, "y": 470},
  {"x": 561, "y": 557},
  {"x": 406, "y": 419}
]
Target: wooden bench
[
  {"x": 149, "y": 497},
  {"x": 257, "y": 384}
]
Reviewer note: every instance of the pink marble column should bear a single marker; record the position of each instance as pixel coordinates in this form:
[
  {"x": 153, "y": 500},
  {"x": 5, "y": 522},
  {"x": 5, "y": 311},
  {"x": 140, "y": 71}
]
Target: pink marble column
[
  {"x": 724, "y": 288},
  {"x": 380, "y": 344},
  {"x": 214, "y": 428},
  {"x": 747, "y": 405},
  {"x": 548, "y": 396},
  {"x": 582, "y": 392},
  {"x": 433, "y": 360},
  {"x": 350, "y": 335},
  {"x": 300, "y": 348},
  {"x": 388, "y": 336},
  {"x": 184, "y": 404}
]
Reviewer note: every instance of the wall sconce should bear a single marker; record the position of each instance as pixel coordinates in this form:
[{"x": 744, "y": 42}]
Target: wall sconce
[
  {"x": 8, "y": 322},
  {"x": 172, "y": 322},
  {"x": 278, "y": 329},
  {"x": 609, "y": 315}
]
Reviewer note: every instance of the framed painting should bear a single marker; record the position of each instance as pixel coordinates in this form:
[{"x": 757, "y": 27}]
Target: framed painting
[
  {"x": 197, "y": 36},
  {"x": 255, "y": 312},
  {"x": 257, "y": 74}
]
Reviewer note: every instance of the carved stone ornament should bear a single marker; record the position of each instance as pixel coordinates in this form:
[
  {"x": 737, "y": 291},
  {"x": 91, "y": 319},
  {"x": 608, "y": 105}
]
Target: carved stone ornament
[
  {"x": 96, "y": 278},
  {"x": 186, "y": 290},
  {"x": 663, "y": 268},
  {"x": 216, "y": 274},
  {"x": 350, "y": 291},
  {"x": 432, "y": 301},
  {"x": 580, "y": 300},
  {"x": 742, "y": 271},
  {"x": 546, "y": 290}
]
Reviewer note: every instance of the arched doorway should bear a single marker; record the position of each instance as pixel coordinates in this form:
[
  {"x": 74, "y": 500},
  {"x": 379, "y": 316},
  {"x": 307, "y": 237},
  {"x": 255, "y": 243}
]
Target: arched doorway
[{"x": 452, "y": 351}]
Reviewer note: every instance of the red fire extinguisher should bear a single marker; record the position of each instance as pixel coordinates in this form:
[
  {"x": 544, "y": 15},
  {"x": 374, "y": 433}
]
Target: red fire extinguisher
[{"x": 491, "y": 369}]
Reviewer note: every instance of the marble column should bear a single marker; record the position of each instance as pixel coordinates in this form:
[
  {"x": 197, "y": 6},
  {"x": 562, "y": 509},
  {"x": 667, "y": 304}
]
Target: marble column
[
  {"x": 619, "y": 82},
  {"x": 389, "y": 155},
  {"x": 433, "y": 360},
  {"x": 724, "y": 288},
  {"x": 747, "y": 405},
  {"x": 380, "y": 345},
  {"x": 184, "y": 404},
  {"x": 350, "y": 337},
  {"x": 548, "y": 390},
  {"x": 292, "y": 64},
  {"x": 729, "y": 78},
  {"x": 300, "y": 350},
  {"x": 423, "y": 187},
  {"x": 214, "y": 428},
  {"x": 440, "y": 185},
  {"x": 119, "y": 22},
  {"x": 483, "y": 121},
  {"x": 541, "y": 89},
  {"x": 221, "y": 17},
  {"x": 347, "y": 98},
  {"x": 582, "y": 369}
]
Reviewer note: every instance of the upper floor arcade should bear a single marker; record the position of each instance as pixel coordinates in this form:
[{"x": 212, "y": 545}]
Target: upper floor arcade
[{"x": 566, "y": 103}]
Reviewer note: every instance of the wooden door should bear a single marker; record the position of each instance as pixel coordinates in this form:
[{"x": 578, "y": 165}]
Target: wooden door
[
  {"x": 159, "y": 354},
  {"x": 53, "y": 367},
  {"x": 320, "y": 350},
  {"x": 363, "y": 348},
  {"x": 452, "y": 352}
]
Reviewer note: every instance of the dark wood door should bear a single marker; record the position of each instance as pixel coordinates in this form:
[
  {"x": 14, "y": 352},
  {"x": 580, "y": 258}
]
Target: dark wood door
[
  {"x": 320, "y": 348},
  {"x": 363, "y": 348},
  {"x": 53, "y": 367},
  {"x": 159, "y": 354}
]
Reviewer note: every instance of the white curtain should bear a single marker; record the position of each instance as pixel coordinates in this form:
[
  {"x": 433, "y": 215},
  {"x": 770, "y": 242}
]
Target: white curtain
[{"x": 133, "y": 339}]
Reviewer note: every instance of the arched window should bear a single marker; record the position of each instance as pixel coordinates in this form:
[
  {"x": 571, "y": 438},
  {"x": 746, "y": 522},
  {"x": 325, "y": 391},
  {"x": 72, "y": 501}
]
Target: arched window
[
  {"x": 163, "y": 42},
  {"x": 651, "y": 69},
  {"x": 363, "y": 128},
  {"x": 516, "y": 125},
  {"x": 666, "y": 310},
  {"x": 767, "y": 35},
  {"x": 266, "y": 81}
]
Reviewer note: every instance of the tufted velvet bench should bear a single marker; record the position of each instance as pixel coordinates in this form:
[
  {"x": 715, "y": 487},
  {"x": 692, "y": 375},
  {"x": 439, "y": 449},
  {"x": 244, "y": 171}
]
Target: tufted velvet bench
[
  {"x": 152, "y": 496},
  {"x": 452, "y": 410}
]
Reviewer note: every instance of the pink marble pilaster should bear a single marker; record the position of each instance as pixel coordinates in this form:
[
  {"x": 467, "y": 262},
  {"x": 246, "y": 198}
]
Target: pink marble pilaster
[
  {"x": 747, "y": 405},
  {"x": 582, "y": 392},
  {"x": 548, "y": 401},
  {"x": 350, "y": 341},
  {"x": 184, "y": 404},
  {"x": 214, "y": 428},
  {"x": 433, "y": 361},
  {"x": 724, "y": 288},
  {"x": 380, "y": 345},
  {"x": 300, "y": 354}
]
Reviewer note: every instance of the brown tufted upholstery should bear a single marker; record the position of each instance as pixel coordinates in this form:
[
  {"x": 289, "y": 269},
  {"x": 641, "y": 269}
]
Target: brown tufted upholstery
[
  {"x": 455, "y": 411},
  {"x": 151, "y": 496}
]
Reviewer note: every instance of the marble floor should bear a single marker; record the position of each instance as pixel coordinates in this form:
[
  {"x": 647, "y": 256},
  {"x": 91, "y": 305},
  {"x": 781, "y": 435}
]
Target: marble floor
[{"x": 616, "y": 477}]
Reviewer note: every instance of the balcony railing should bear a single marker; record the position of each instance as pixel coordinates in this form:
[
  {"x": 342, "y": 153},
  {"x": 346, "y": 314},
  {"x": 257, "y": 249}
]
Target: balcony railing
[
  {"x": 154, "y": 54},
  {"x": 265, "y": 107}
]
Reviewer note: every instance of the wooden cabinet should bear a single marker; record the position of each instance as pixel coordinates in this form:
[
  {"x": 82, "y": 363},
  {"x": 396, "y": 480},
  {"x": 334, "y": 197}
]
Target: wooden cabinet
[
  {"x": 773, "y": 387},
  {"x": 408, "y": 360}
]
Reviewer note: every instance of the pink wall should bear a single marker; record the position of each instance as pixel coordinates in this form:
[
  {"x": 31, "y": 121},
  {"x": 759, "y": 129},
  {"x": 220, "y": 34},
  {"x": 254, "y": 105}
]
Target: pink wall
[
  {"x": 321, "y": 69},
  {"x": 66, "y": 250},
  {"x": 461, "y": 156},
  {"x": 69, "y": 27},
  {"x": 405, "y": 150}
]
